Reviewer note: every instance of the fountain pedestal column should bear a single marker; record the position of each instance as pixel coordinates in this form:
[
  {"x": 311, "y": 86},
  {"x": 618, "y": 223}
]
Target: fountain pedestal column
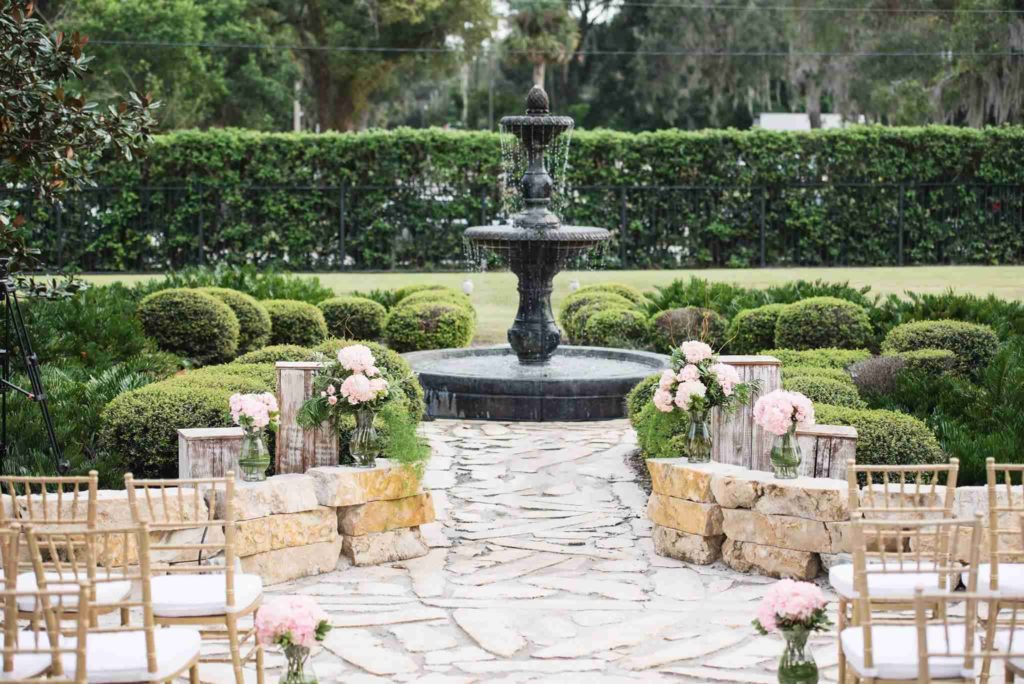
[{"x": 534, "y": 336}]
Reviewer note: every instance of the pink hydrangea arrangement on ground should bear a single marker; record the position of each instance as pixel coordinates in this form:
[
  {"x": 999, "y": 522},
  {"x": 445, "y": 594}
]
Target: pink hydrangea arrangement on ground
[
  {"x": 291, "y": 621},
  {"x": 254, "y": 411},
  {"x": 780, "y": 411},
  {"x": 790, "y": 604},
  {"x": 699, "y": 382}
]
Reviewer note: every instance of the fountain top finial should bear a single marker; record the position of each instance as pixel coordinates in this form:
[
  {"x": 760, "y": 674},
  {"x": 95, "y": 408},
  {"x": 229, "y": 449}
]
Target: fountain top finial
[{"x": 537, "y": 101}]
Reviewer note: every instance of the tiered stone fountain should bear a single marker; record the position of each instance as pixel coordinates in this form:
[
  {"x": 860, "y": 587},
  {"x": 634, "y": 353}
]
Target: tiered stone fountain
[{"x": 532, "y": 378}]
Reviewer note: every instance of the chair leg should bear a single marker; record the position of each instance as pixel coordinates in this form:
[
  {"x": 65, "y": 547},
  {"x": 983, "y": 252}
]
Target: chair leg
[
  {"x": 259, "y": 662},
  {"x": 990, "y": 637},
  {"x": 839, "y": 645},
  {"x": 236, "y": 649},
  {"x": 193, "y": 674}
]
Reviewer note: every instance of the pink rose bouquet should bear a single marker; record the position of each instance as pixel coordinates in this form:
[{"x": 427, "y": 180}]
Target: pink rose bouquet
[
  {"x": 790, "y": 604},
  {"x": 780, "y": 411}
]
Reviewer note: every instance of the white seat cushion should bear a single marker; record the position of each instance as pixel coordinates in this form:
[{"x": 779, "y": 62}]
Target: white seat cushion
[
  {"x": 106, "y": 592},
  {"x": 198, "y": 595},
  {"x": 27, "y": 665},
  {"x": 1011, "y": 577},
  {"x": 115, "y": 657},
  {"x": 894, "y": 651},
  {"x": 886, "y": 585},
  {"x": 1013, "y": 648}
]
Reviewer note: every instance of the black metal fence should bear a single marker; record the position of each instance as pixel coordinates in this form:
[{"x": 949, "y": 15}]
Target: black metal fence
[{"x": 384, "y": 227}]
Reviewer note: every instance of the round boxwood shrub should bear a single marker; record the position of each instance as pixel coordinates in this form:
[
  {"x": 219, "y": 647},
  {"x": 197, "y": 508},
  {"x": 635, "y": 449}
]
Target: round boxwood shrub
[
  {"x": 579, "y": 306},
  {"x": 444, "y": 294},
  {"x": 929, "y": 361},
  {"x": 823, "y": 322},
  {"x": 821, "y": 358},
  {"x": 237, "y": 377},
  {"x": 825, "y": 390},
  {"x": 190, "y": 323},
  {"x": 354, "y": 318},
  {"x": 623, "y": 328},
  {"x": 673, "y": 327},
  {"x": 392, "y": 366},
  {"x": 885, "y": 437},
  {"x": 275, "y": 353},
  {"x": 631, "y": 293},
  {"x": 837, "y": 374},
  {"x": 295, "y": 322},
  {"x": 641, "y": 395},
  {"x": 974, "y": 345},
  {"x": 253, "y": 319},
  {"x": 403, "y": 292},
  {"x": 753, "y": 329},
  {"x": 661, "y": 435},
  {"x": 429, "y": 326}
]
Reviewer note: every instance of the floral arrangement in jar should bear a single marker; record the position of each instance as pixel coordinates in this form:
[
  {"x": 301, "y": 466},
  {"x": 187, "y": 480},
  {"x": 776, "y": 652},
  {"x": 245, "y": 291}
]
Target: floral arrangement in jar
[
  {"x": 780, "y": 413},
  {"x": 295, "y": 623},
  {"x": 697, "y": 383},
  {"x": 256, "y": 414},
  {"x": 795, "y": 609},
  {"x": 350, "y": 385}
]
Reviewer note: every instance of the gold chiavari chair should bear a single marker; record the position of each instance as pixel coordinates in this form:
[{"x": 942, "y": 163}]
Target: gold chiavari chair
[
  {"x": 114, "y": 654},
  {"x": 49, "y": 500},
  {"x": 202, "y": 583},
  {"x": 1003, "y": 574},
  {"x": 29, "y": 655},
  {"x": 891, "y": 558},
  {"x": 891, "y": 492}
]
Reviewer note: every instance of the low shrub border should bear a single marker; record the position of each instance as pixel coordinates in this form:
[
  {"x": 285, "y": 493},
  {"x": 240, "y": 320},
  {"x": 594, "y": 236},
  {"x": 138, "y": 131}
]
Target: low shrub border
[{"x": 974, "y": 345}]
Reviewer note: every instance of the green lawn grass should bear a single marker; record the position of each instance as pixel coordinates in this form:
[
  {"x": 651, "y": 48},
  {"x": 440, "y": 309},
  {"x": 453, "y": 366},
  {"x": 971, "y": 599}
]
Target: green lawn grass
[{"x": 495, "y": 297}]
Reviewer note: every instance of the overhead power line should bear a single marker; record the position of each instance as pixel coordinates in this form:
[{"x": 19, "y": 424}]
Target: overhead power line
[
  {"x": 687, "y": 52},
  {"x": 798, "y": 8}
]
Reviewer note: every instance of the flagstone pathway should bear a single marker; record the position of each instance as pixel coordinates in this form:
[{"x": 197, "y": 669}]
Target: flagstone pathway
[{"x": 541, "y": 570}]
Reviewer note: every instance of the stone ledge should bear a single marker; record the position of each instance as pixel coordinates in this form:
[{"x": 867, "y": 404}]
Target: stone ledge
[
  {"x": 675, "y": 477},
  {"x": 692, "y": 548},
  {"x": 692, "y": 517},
  {"x": 381, "y": 516},
  {"x": 385, "y": 547},
  {"x": 350, "y": 486},
  {"x": 276, "y": 495},
  {"x": 293, "y": 562},
  {"x": 783, "y": 531},
  {"x": 770, "y": 560},
  {"x": 274, "y": 532}
]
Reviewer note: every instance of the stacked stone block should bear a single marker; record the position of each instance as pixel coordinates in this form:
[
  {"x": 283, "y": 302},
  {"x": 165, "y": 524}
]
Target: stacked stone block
[{"x": 748, "y": 519}]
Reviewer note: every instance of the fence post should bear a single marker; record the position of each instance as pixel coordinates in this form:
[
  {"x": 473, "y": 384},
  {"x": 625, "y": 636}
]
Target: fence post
[
  {"x": 899, "y": 226},
  {"x": 761, "y": 226},
  {"x": 623, "y": 226},
  {"x": 341, "y": 227},
  {"x": 60, "y": 234},
  {"x": 202, "y": 237}
]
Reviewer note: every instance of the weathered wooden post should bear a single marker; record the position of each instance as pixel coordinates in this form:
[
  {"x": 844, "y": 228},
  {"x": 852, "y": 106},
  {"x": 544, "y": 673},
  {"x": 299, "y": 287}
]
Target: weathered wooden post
[
  {"x": 736, "y": 439},
  {"x": 208, "y": 452},
  {"x": 298, "y": 450},
  {"x": 826, "y": 449}
]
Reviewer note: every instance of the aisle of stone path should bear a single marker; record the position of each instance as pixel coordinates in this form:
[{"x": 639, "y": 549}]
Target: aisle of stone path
[{"x": 541, "y": 570}]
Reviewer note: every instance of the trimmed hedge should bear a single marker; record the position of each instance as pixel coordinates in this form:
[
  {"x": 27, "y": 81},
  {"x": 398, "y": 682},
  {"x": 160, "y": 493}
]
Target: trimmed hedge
[
  {"x": 275, "y": 353},
  {"x": 641, "y": 395},
  {"x": 673, "y": 327},
  {"x": 616, "y": 328},
  {"x": 822, "y": 358},
  {"x": 403, "y": 292},
  {"x": 295, "y": 322},
  {"x": 974, "y": 345},
  {"x": 823, "y": 322},
  {"x": 885, "y": 437},
  {"x": 354, "y": 318},
  {"x": 190, "y": 323},
  {"x": 438, "y": 295},
  {"x": 837, "y": 374},
  {"x": 429, "y": 326},
  {"x": 753, "y": 329},
  {"x": 580, "y": 305},
  {"x": 634, "y": 295},
  {"x": 253, "y": 319},
  {"x": 930, "y": 361},
  {"x": 659, "y": 435},
  {"x": 825, "y": 390}
]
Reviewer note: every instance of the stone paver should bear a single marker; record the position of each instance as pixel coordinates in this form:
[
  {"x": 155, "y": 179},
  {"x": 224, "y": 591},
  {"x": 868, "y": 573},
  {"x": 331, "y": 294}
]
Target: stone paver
[{"x": 542, "y": 569}]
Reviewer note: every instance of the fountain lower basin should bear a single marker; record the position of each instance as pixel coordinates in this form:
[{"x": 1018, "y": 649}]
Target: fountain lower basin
[{"x": 489, "y": 383}]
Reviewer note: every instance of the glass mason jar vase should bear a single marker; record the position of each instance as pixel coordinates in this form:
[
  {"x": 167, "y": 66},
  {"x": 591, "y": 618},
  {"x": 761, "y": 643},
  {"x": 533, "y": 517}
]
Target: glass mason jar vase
[
  {"x": 698, "y": 439},
  {"x": 786, "y": 455},
  {"x": 298, "y": 669},
  {"x": 254, "y": 459},
  {"x": 364, "y": 445},
  {"x": 797, "y": 664}
]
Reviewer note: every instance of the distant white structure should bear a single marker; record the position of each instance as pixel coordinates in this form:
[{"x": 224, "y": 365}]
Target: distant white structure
[
  {"x": 785, "y": 121},
  {"x": 467, "y": 286}
]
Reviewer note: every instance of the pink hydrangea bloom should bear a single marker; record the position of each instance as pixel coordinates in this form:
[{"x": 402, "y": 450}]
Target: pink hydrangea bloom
[
  {"x": 663, "y": 400},
  {"x": 778, "y": 411},
  {"x": 668, "y": 379},
  {"x": 357, "y": 358},
  {"x": 728, "y": 377},
  {"x": 294, "y": 618},
  {"x": 695, "y": 351},
  {"x": 686, "y": 391},
  {"x": 789, "y": 600},
  {"x": 359, "y": 389},
  {"x": 688, "y": 373},
  {"x": 253, "y": 410},
  {"x": 332, "y": 400}
]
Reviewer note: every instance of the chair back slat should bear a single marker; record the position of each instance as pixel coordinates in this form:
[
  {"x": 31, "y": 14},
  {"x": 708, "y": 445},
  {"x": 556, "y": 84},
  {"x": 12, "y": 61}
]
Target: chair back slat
[
  {"x": 1005, "y": 506},
  {"x": 905, "y": 492},
  {"x": 49, "y": 500}
]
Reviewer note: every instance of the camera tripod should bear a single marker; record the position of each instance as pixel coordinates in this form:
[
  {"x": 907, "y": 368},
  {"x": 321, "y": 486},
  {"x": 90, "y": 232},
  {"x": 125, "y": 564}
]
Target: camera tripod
[{"x": 13, "y": 321}]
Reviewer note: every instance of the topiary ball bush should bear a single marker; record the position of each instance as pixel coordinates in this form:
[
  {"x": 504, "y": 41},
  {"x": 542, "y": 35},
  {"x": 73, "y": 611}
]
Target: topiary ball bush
[
  {"x": 837, "y": 374},
  {"x": 661, "y": 435},
  {"x": 641, "y": 395},
  {"x": 190, "y": 323},
  {"x": 930, "y": 361},
  {"x": 631, "y": 293},
  {"x": 354, "y": 318},
  {"x": 974, "y": 345},
  {"x": 753, "y": 329},
  {"x": 673, "y": 327},
  {"x": 403, "y": 292},
  {"x": 275, "y": 353},
  {"x": 253, "y": 319},
  {"x": 823, "y": 322},
  {"x": 429, "y": 326},
  {"x": 825, "y": 390},
  {"x": 445, "y": 295},
  {"x": 622, "y": 328},
  {"x": 885, "y": 437},
  {"x": 821, "y": 358},
  {"x": 295, "y": 322},
  {"x": 580, "y": 305},
  {"x": 391, "y": 365}
]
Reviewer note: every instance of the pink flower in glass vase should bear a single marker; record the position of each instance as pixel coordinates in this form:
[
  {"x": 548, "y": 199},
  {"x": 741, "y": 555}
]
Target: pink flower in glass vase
[
  {"x": 695, "y": 351},
  {"x": 663, "y": 401},
  {"x": 332, "y": 400},
  {"x": 668, "y": 378},
  {"x": 727, "y": 377},
  {"x": 687, "y": 391},
  {"x": 357, "y": 389},
  {"x": 357, "y": 358},
  {"x": 688, "y": 373}
]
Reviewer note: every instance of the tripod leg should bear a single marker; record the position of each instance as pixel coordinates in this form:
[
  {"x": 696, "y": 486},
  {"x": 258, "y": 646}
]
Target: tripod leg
[{"x": 5, "y": 374}]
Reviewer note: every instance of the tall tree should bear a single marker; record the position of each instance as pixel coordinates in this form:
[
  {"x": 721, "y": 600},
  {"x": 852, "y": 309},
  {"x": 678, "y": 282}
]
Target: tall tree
[{"x": 543, "y": 32}]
